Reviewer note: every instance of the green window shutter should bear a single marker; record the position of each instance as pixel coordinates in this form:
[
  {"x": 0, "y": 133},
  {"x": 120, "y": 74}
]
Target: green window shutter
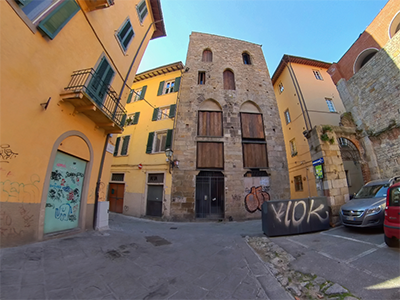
[
  {"x": 125, "y": 144},
  {"x": 123, "y": 120},
  {"x": 102, "y": 77},
  {"x": 160, "y": 88},
  {"x": 116, "y": 146},
  {"x": 172, "y": 110},
  {"x": 143, "y": 92},
  {"x": 149, "y": 147},
  {"x": 136, "y": 118},
  {"x": 142, "y": 10},
  {"x": 23, "y": 2},
  {"x": 130, "y": 97},
  {"x": 126, "y": 34},
  {"x": 58, "y": 18},
  {"x": 177, "y": 84},
  {"x": 155, "y": 114},
  {"x": 168, "y": 142}
]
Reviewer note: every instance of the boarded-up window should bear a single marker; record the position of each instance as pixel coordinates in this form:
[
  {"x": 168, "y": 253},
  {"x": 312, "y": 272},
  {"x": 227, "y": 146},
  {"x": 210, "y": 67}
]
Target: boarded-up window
[
  {"x": 210, "y": 155},
  {"x": 252, "y": 126},
  {"x": 210, "y": 123},
  {"x": 255, "y": 155},
  {"x": 207, "y": 56},
  {"x": 229, "y": 80}
]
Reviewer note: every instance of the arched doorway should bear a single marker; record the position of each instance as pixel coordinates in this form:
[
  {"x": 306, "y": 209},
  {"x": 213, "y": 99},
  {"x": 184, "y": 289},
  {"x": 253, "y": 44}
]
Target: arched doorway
[{"x": 351, "y": 164}]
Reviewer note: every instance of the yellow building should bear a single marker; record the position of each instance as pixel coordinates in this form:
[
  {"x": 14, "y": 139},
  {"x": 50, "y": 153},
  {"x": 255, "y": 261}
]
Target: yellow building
[
  {"x": 306, "y": 97},
  {"x": 65, "y": 65},
  {"x": 140, "y": 183}
]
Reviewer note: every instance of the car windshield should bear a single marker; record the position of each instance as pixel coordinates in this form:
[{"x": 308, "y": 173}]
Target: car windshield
[{"x": 372, "y": 191}]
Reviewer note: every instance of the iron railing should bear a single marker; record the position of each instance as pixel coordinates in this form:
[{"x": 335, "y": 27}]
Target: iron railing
[{"x": 99, "y": 92}]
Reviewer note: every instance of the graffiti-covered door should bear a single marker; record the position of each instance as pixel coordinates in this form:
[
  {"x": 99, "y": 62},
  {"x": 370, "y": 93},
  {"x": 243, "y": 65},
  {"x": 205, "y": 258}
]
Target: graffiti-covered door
[
  {"x": 64, "y": 196},
  {"x": 210, "y": 191}
]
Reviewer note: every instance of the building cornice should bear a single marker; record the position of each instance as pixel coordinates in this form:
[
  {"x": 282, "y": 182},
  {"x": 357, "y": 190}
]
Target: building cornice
[{"x": 159, "y": 71}]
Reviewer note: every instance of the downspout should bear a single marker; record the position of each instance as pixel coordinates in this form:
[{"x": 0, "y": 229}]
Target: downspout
[{"x": 98, "y": 183}]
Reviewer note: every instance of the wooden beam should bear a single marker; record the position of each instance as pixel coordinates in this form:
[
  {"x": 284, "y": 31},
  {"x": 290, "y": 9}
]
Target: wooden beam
[{"x": 105, "y": 124}]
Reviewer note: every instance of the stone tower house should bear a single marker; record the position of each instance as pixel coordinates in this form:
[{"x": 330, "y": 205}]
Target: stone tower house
[{"x": 228, "y": 137}]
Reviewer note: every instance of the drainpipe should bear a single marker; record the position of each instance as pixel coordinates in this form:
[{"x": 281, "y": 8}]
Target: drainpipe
[{"x": 98, "y": 183}]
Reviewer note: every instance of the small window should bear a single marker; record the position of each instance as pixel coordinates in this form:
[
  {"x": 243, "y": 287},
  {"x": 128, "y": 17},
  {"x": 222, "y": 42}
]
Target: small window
[
  {"x": 207, "y": 56},
  {"x": 298, "y": 184},
  {"x": 169, "y": 86},
  {"x": 132, "y": 119},
  {"x": 287, "y": 116},
  {"x": 281, "y": 88},
  {"x": 331, "y": 107},
  {"x": 117, "y": 177},
  {"x": 137, "y": 94},
  {"x": 142, "y": 10},
  {"x": 122, "y": 150},
  {"x": 202, "y": 77},
  {"x": 246, "y": 58},
  {"x": 159, "y": 141},
  {"x": 293, "y": 149},
  {"x": 229, "y": 80},
  {"x": 317, "y": 75},
  {"x": 125, "y": 34},
  {"x": 162, "y": 113}
]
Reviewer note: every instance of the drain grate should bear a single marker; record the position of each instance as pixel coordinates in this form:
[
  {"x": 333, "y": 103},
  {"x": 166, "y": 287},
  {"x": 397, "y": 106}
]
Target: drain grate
[{"x": 157, "y": 240}]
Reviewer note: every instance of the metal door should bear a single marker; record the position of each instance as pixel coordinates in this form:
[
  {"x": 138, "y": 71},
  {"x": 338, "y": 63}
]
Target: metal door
[
  {"x": 155, "y": 195},
  {"x": 210, "y": 200},
  {"x": 116, "y": 197},
  {"x": 64, "y": 195}
]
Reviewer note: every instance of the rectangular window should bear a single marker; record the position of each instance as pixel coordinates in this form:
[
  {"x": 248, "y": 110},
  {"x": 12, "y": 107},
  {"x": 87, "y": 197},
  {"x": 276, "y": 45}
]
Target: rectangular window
[
  {"x": 281, "y": 88},
  {"x": 170, "y": 86},
  {"x": 298, "y": 184},
  {"x": 132, "y": 119},
  {"x": 122, "y": 150},
  {"x": 317, "y": 75},
  {"x": 331, "y": 107},
  {"x": 293, "y": 149},
  {"x": 159, "y": 141},
  {"x": 142, "y": 10},
  {"x": 162, "y": 113},
  {"x": 287, "y": 116},
  {"x": 210, "y": 155},
  {"x": 117, "y": 177},
  {"x": 125, "y": 34},
  {"x": 210, "y": 123},
  {"x": 202, "y": 77}
]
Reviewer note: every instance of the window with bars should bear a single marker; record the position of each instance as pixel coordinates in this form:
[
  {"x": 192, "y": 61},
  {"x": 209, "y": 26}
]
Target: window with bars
[
  {"x": 287, "y": 116},
  {"x": 317, "y": 75},
  {"x": 122, "y": 150},
  {"x": 125, "y": 34},
  {"x": 229, "y": 80},
  {"x": 298, "y": 183},
  {"x": 202, "y": 77},
  {"x": 142, "y": 10},
  {"x": 117, "y": 177},
  {"x": 207, "y": 56},
  {"x": 331, "y": 107}
]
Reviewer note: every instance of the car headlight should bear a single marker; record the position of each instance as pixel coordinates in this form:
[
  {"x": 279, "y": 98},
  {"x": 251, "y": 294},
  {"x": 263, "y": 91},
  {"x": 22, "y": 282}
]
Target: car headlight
[{"x": 373, "y": 211}]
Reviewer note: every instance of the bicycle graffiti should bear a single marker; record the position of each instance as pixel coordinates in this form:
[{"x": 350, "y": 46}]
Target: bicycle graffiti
[{"x": 255, "y": 199}]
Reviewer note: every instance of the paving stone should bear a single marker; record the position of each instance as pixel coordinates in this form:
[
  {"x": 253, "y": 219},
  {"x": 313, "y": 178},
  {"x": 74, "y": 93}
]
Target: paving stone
[
  {"x": 9, "y": 292},
  {"x": 61, "y": 294},
  {"x": 35, "y": 291},
  {"x": 336, "y": 289},
  {"x": 319, "y": 280},
  {"x": 294, "y": 289},
  {"x": 10, "y": 277}
]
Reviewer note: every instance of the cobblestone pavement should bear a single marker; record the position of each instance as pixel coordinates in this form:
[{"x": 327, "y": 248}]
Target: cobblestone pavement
[{"x": 142, "y": 259}]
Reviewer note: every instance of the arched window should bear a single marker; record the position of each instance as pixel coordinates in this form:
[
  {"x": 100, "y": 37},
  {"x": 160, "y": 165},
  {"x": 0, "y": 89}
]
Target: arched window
[
  {"x": 394, "y": 25},
  {"x": 363, "y": 58},
  {"x": 229, "y": 80},
  {"x": 207, "y": 56},
  {"x": 246, "y": 58}
]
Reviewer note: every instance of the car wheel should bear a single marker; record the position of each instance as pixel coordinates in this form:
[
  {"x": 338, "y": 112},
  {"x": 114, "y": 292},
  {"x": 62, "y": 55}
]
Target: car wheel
[{"x": 391, "y": 242}]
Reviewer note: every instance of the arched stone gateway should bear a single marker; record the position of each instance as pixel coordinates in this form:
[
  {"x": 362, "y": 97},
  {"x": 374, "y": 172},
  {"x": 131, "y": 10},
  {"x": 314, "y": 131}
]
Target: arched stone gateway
[{"x": 352, "y": 164}]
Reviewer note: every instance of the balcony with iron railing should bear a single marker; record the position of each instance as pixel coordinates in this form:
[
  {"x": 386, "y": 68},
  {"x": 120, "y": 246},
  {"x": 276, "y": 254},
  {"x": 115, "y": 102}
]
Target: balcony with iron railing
[{"x": 96, "y": 99}]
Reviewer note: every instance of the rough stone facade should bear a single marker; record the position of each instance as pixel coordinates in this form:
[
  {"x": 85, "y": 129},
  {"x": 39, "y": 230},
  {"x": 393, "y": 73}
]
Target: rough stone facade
[{"x": 253, "y": 85}]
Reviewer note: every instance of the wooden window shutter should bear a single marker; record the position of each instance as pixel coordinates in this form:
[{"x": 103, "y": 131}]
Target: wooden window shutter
[
  {"x": 177, "y": 84},
  {"x": 210, "y": 155},
  {"x": 255, "y": 155},
  {"x": 172, "y": 110},
  {"x": 58, "y": 18},
  {"x": 130, "y": 96},
  {"x": 155, "y": 114},
  {"x": 168, "y": 143},
  {"x": 149, "y": 147},
  {"x": 116, "y": 146},
  {"x": 252, "y": 126},
  {"x": 125, "y": 144},
  {"x": 210, "y": 123},
  {"x": 229, "y": 80},
  {"x": 143, "y": 92},
  {"x": 207, "y": 56},
  {"x": 136, "y": 118},
  {"x": 160, "y": 88}
]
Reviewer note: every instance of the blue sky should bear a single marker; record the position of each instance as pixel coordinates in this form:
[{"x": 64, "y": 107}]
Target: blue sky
[{"x": 316, "y": 29}]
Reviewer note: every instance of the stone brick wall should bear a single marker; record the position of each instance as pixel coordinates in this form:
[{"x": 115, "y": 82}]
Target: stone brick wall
[{"x": 253, "y": 83}]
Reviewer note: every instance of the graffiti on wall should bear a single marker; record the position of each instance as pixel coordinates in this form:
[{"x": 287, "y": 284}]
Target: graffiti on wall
[
  {"x": 9, "y": 228},
  {"x": 6, "y": 153},
  {"x": 19, "y": 191},
  {"x": 255, "y": 198},
  {"x": 295, "y": 216}
]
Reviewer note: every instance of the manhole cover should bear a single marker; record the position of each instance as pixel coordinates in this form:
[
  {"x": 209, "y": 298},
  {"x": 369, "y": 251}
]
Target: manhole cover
[{"x": 157, "y": 240}]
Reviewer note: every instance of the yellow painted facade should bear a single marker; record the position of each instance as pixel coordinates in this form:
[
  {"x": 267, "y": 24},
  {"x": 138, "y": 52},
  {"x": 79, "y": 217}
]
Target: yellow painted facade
[
  {"x": 40, "y": 118},
  {"x": 143, "y": 159},
  {"x": 303, "y": 89}
]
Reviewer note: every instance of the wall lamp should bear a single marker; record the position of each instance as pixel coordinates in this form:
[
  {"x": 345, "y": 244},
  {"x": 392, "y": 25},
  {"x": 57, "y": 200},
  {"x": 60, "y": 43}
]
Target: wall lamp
[{"x": 172, "y": 162}]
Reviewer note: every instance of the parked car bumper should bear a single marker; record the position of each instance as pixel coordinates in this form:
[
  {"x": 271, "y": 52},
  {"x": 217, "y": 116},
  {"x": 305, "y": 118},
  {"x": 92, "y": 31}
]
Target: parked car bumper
[
  {"x": 362, "y": 220},
  {"x": 392, "y": 230}
]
